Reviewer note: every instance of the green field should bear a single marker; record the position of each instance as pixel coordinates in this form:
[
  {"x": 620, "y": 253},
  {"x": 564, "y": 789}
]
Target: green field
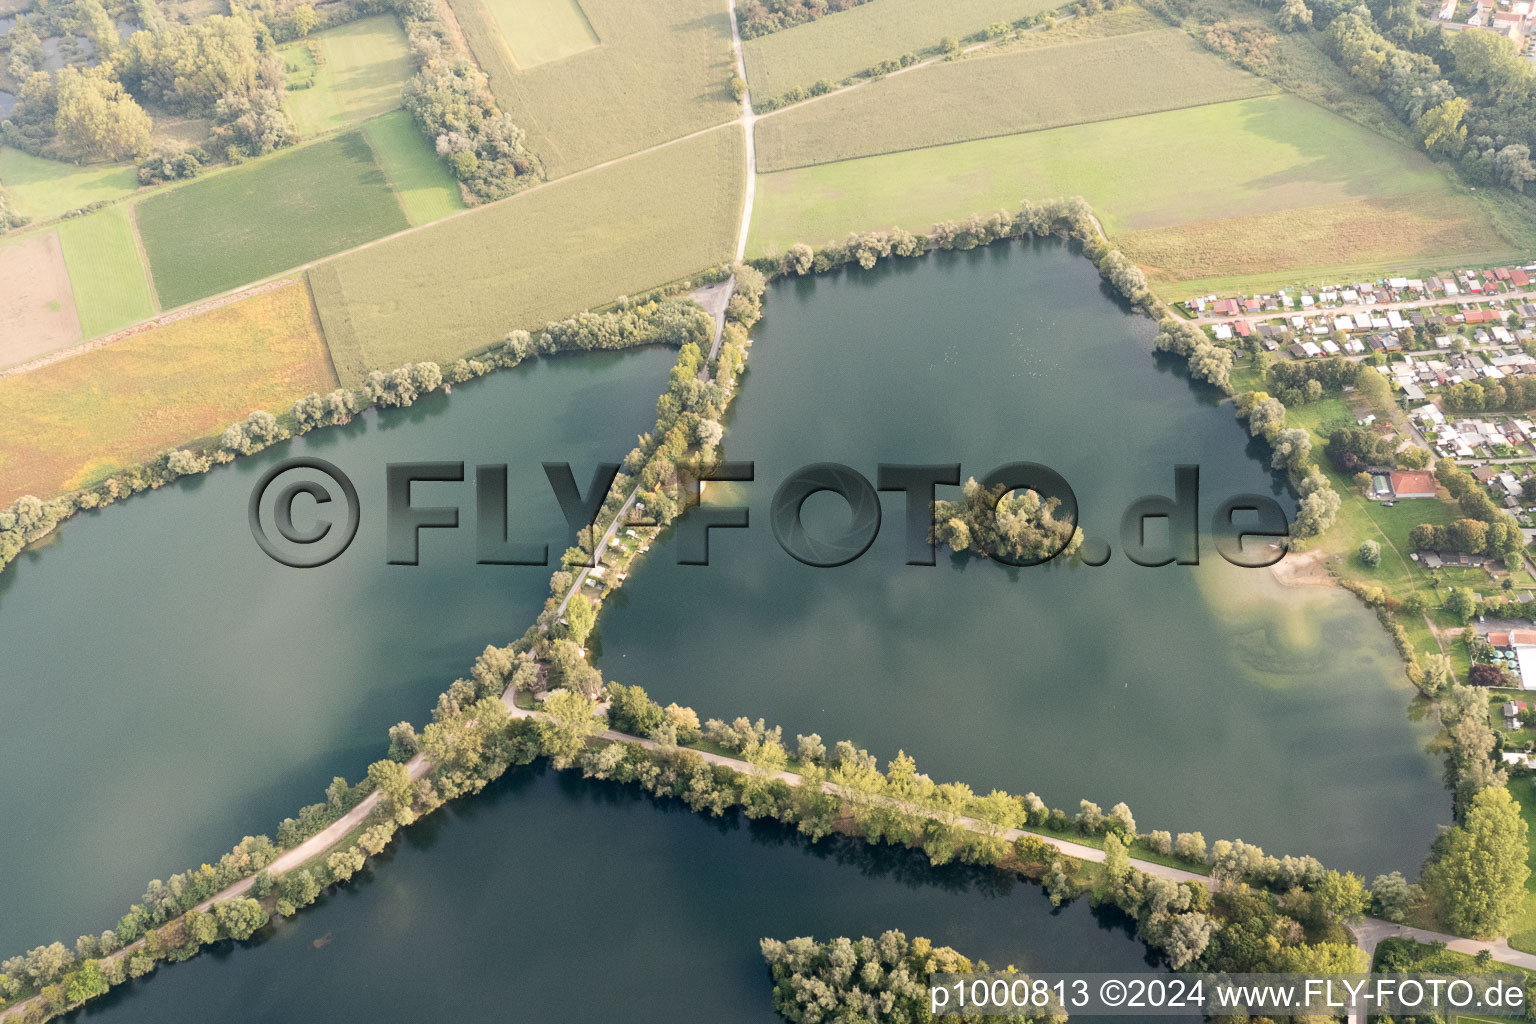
[
  {"x": 111, "y": 289},
  {"x": 270, "y": 215},
  {"x": 459, "y": 286},
  {"x": 1522, "y": 934},
  {"x": 838, "y": 45},
  {"x": 1270, "y": 170},
  {"x": 362, "y": 69},
  {"x": 661, "y": 72},
  {"x": 539, "y": 31},
  {"x": 976, "y": 98},
  {"x": 47, "y": 188},
  {"x": 425, "y": 187}
]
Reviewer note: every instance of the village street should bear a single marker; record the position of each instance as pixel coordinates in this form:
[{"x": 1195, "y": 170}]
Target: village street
[{"x": 1523, "y": 295}]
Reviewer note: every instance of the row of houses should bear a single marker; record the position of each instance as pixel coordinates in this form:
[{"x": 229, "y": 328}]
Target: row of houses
[
  {"x": 1512, "y": 21},
  {"x": 1276, "y": 334},
  {"x": 1463, "y": 437},
  {"x": 1451, "y": 285},
  {"x": 1503, "y": 483}
]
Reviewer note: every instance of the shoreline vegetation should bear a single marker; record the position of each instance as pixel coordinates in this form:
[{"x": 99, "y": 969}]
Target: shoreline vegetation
[
  {"x": 1209, "y": 911},
  {"x": 660, "y": 317}
]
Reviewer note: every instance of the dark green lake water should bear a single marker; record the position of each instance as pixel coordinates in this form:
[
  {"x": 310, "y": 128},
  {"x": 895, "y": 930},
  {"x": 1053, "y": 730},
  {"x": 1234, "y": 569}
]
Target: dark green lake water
[
  {"x": 165, "y": 688},
  {"x": 1207, "y": 697},
  {"x": 168, "y": 689},
  {"x": 548, "y": 898}
]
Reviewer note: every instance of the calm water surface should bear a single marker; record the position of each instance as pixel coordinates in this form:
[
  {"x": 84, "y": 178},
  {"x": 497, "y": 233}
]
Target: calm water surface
[
  {"x": 165, "y": 688},
  {"x": 1206, "y": 697},
  {"x": 548, "y": 898}
]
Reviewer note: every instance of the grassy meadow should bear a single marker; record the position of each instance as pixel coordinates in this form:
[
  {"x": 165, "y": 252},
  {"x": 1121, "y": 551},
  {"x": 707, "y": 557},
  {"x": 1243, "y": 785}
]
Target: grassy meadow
[
  {"x": 42, "y": 189},
  {"x": 461, "y": 285},
  {"x": 539, "y": 31},
  {"x": 978, "y": 97},
  {"x": 74, "y": 422},
  {"x": 661, "y": 72},
  {"x": 362, "y": 68},
  {"x": 838, "y": 45},
  {"x": 427, "y": 190},
  {"x": 1278, "y": 172},
  {"x": 105, "y": 272},
  {"x": 264, "y": 217}
]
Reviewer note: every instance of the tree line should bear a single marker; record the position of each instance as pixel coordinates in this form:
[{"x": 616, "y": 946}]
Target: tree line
[
  {"x": 451, "y": 102},
  {"x": 647, "y": 321},
  {"x": 1467, "y": 95}
]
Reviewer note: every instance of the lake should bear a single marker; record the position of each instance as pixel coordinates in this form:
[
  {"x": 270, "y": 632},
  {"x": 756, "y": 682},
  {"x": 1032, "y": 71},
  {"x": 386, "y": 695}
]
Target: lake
[
  {"x": 1207, "y": 697},
  {"x": 169, "y": 689},
  {"x": 551, "y": 898}
]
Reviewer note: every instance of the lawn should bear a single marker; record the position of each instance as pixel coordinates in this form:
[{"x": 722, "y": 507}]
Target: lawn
[
  {"x": 1277, "y": 156},
  {"x": 105, "y": 272},
  {"x": 270, "y": 215},
  {"x": 539, "y": 31},
  {"x": 661, "y": 72},
  {"x": 1523, "y": 933},
  {"x": 37, "y": 310},
  {"x": 1361, "y": 519},
  {"x": 47, "y": 188},
  {"x": 461, "y": 285},
  {"x": 361, "y": 70},
  {"x": 977, "y": 98},
  {"x": 75, "y": 422},
  {"x": 426, "y": 188},
  {"x": 838, "y": 45}
]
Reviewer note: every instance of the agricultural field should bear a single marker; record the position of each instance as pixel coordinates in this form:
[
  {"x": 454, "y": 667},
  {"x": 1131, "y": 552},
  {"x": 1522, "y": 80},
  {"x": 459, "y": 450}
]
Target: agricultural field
[
  {"x": 461, "y": 285},
  {"x": 426, "y": 189},
  {"x": 37, "y": 310},
  {"x": 838, "y": 45},
  {"x": 978, "y": 97},
  {"x": 105, "y": 272},
  {"x": 270, "y": 215},
  {"x": 1285, "y": 166},
  {"x": 356, "y": 71},
  {"x": 1365, "y": 238},
  {"x": 43, "y": 189},
  {"x": 539, "y": 31},
  {"x": 74, "y": 422},
  {"x": 659, "y": 73}
]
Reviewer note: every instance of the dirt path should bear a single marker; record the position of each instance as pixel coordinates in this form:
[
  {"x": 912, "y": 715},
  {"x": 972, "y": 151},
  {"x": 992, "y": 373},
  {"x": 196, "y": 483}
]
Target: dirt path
[{"x": 747, "y": 121}]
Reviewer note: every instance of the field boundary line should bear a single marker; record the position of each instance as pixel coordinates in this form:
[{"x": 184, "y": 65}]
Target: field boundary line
[
  {"x": 940, "y": 58},
  {"x": 179, "y": 313},
  {"x": 1273, "y": 91},
  {"x": 394, "y": 187},
  {"x": 138, "y": 245},
  {"x": 262, "y": 284}
]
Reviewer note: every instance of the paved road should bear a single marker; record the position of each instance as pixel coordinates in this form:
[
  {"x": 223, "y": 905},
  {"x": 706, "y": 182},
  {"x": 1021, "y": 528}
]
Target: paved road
[{"x": 1371, "y": 931}]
